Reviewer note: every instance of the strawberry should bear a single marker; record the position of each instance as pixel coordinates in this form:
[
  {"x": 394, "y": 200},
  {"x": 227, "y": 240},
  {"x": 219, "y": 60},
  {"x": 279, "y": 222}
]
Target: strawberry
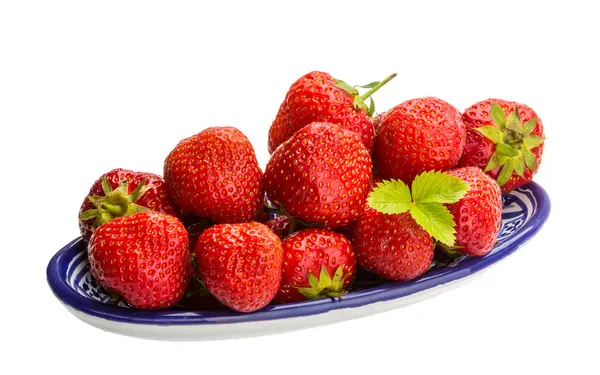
[
  {"x": 215, "y": 174},
  {"x": 144, "y": 258},
  {"x": 478, "y": 214},
  {"x": 394, "y": 247},
  {"x": 419, "y": 135},
  {"x": 505, "y": 139},
  {"x": 348, "y": 229},
  {"x": 122, "y": 192},
  {"x": 280, "y": 226},
  {"x": 240, "y": 264},
  {"x": 317, "y": 97},
  {"x": 317, "y": 263},
  {"x": 393, "y": 237},
  {"x": 321, "y": 174}
]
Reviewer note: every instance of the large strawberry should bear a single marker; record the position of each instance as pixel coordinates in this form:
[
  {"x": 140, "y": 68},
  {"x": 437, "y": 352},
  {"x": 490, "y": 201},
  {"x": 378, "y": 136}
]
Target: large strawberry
[
  {"x": 215, "y": 174},
  {"x": 317, "y": 97},
  {"x": 393, "y": 237},
  {"x": 317, "y": 263},
  {"x": 505, "y": 139},
  {"x": 321, "y": 174},
  {"x": 419, "y": 135},
  {"x": 478, "y": 214},
  {"x": 122, "y": 192},
  {"x": 240, "y": 264},
  {"x": 144, "y": 258}
]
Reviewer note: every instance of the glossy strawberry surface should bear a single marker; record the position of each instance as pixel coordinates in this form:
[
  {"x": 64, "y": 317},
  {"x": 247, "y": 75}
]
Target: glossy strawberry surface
[
  {"x": 240, "y": 264},
  {"x": 215, "y": 174},
  {"x": 315, "y": 97},
  {"x": 144, "y": 258},
  {"x": 394, "y": 246},
  {"x": 478, "y": 215},
  {"x": 419, "y": 135},
  {"x": 155, "y": 198},
  {"x": 307, "y": 252},
  {"x": 322, "y": 174},
  {"x": 479, "y": 150}
]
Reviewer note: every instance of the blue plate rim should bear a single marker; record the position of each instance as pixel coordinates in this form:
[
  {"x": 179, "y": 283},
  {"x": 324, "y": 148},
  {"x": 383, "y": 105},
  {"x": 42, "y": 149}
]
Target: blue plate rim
[{"x": 385, "y": 292}]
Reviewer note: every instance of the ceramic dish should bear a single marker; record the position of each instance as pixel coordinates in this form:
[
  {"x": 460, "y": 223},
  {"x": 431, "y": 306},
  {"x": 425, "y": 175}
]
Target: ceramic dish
[{"x": 524, "y": 212}]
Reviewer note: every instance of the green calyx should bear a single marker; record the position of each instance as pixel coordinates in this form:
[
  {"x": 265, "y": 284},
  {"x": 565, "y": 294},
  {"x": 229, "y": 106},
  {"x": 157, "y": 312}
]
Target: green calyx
[
  {"x": 514, "y": 143},
  {"x": 325, "y": 285},
  {"x": 424, "y": 201},
  {"x": 359, "y": 100},
  {"x": 115, "y": 203}
]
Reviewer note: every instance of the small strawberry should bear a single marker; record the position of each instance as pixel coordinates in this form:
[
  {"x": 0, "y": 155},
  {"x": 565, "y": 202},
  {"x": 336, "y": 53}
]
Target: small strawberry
[
  {"x": 215, "y": 174},
  {"x": 419, "y": 135},
  {"x": 321, "y": 174},
  {"x": 317, "y": 97},
  {"x": 505, "y": 139},
  {"x": 478, "y": 214},
  {"x": 393, "y": 237},
  {"x": 280, "y": 226},
  {"x": 122, "y": 192},
  {"x": 143, "y": 257},
  {"x": 240, "y": 264},
  {"x": 317, "y": 263}
]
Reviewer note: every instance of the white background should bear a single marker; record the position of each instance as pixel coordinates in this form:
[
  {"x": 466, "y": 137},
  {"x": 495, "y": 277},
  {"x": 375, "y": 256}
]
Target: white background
[{"x": 89, "y": 86}]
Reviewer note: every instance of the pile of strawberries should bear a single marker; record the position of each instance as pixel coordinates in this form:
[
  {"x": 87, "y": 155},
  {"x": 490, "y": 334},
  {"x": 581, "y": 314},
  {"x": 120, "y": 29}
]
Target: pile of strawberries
[{"x": 351, "y": 192}]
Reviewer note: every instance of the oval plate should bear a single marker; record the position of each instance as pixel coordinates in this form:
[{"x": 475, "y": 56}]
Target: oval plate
[{"x": 524, "y": 212}]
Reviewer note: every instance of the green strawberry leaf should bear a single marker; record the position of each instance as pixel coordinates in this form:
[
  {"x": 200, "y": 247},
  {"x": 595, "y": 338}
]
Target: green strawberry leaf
[
  {"x": 89, "y": 214},
  {"x": 359, "y": 103},
  {"x": 106, "y": 186},
  {"x": 530, "y": 160},
  {"x": 346, "y": 87},
  {"x": 371, "y": 107},
  {"x": 436, "y": 220},
  {"x": 505, "y": 150},
  {"x": 505, "y": 173},
  {"x": 518, "y": 165},
  {"x": 491, "y": 132},
  {"x": 532, "y": 141},
  {"x": 496, "y": 160},
  {"x": 390, "y": 197},
  {"x": 513, "y": 122},
  {"x": 369, "y": 85},
  {"x": 529, "y": 126},
  {"x": 438, "y": 187},
  {"x": 313, "y": 281},
  {"x": 498, "y": 116}
]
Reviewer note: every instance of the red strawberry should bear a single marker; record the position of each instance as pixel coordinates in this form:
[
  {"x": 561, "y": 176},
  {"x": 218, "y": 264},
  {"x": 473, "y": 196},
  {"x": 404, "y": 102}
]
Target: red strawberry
[
  {"x": 280, "y": 226},
  {"x": 144, "y": 258},
  {"x": 348, "y": 230},
  {"x": 508, "y": 145},
  {"x": 122, "y": 192},
  {"x": 317, "y": 263},
  {"x": 394, "y": 247},
  {"x": 317, "y": 97},
  {"x": 419, "y": 135},
  {"x": 215, "y": 174},
  {"x": 478, "y": 214},
  {"x": 240, "y": 264},
  {"x": 321, "y": 174}
]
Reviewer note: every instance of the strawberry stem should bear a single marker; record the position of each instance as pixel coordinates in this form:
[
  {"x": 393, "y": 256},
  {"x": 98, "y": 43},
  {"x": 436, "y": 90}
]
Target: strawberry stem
[
  {"x": 367, "y": 94},
  {"x": 293, "y": 223}
]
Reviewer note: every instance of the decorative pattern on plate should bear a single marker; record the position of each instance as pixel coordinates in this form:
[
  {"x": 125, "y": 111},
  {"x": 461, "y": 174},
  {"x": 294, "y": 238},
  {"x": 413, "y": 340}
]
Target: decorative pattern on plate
[{"x": 524, "y": 211}]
